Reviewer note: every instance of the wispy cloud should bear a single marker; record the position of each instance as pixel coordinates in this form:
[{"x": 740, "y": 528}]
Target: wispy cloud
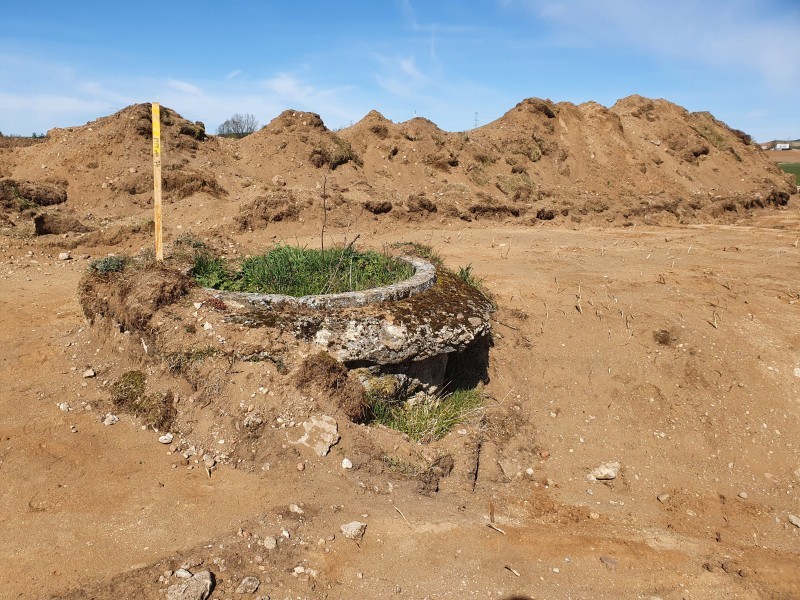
[
  {"x": 289, "y": 87},
  {"x": 186, "y": 88}
]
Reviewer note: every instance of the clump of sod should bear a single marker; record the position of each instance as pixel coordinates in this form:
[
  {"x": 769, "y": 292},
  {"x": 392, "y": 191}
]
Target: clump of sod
[
  {"x": 294, "y": 271},
  {"x": 156, "y": 410}
]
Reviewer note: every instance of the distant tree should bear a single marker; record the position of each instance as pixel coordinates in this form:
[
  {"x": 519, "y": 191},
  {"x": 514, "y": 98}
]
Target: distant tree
[{"x": 238, "y": 126}]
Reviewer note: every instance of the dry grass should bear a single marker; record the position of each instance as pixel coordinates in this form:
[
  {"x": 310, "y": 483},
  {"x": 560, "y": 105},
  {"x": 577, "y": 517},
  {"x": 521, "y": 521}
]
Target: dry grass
[{"x": 156, "y": 410}]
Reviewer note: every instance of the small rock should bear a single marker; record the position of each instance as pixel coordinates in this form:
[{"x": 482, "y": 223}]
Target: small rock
[
  {"x": 270, "y": 543},
  {"x": 209, "y": 462},
  {"x": 744, "y": 572},
  {"x": 198, "y": 305},
  {"x": 279, "y": 180},
  {"x": 794, "y": 520},
  {"x": 208, "y": 326},
  {"x": 183, "y": 573},
  {"x": 64, "y": 256},
  {"x": 248, "y": 585},
  {"x": 296, "y": 509},
  {"x": 301, "y": 466},
  {"x": 354, "y": 530},
  {"x": 743, "y": 495},
  {"x": 166, "y": 438},
  {"x": 662, "y": 497},
  {"x": 64, "y": 407},
  {"x": 88, "y": 373},
  {"x": 347, "y": 463},
  {"x": 609, "y": 562},
  {"x": 319, "y": 434},
  {"x": 110, "y": 419},
  {"x": 605, "y": 472},
  {"x": 73, "y": 428},
  {"x": 253, "y": 421},
  {"x": 711, "y": 567},
  {"x": 198, "y": 587}
]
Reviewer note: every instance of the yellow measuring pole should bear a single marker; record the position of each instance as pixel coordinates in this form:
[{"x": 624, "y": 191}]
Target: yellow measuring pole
[{"x": 157, "y": 180}]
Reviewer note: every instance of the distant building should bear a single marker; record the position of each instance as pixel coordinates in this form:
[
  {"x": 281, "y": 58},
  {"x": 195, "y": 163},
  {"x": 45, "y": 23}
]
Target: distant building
[{"x": 782, "y": 146}]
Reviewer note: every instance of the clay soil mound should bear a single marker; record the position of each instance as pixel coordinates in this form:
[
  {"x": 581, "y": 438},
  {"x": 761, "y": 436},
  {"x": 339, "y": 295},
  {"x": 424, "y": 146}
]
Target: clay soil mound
[{"x": 639, "y": 161}]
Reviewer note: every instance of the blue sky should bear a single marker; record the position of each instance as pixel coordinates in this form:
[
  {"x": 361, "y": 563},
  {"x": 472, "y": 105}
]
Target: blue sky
[{"x": 65, "y": 63}]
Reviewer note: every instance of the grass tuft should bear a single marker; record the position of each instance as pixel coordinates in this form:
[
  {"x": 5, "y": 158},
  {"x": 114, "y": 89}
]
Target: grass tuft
[
  {"x": 427, "y": 421},
  {"x": 109, "y": 264},
  {"x": 298, "y": 272}
]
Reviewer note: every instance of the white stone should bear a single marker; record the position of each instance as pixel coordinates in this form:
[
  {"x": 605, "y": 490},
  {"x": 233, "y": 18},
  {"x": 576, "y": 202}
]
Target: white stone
[
  {"x": 347, "y": 463},
  {"x": 166, "y": 438},
  {"x": 198, "y": 587},
  {"x": 354, "y": 530},
  {"x": 605, "y": 472},
  {"x": 794, "y": 520},
  {"x": 270, "y": 543},
  {"x": 88, "y": 373},
  {"x": 64, "y": 407},
  {"x": 64, "y": 256},
  {"x": 320, "y": 433},
  {"x": 110, "y": 419}
]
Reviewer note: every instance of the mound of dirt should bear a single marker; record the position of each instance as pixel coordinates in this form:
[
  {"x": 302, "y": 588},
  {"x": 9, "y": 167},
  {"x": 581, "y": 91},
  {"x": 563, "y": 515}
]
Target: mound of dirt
[
  {"x": 106, "y": 162},
  {"x": 639, "y": 161}
]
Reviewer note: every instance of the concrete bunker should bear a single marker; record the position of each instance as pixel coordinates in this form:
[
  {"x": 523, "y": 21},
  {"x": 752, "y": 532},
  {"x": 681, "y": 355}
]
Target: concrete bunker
[{"x": 428, "y": 333}]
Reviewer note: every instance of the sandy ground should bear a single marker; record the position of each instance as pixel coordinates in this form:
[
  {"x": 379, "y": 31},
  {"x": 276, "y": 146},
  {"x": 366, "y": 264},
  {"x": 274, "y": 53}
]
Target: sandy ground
[{"x": 673, "y": 351}]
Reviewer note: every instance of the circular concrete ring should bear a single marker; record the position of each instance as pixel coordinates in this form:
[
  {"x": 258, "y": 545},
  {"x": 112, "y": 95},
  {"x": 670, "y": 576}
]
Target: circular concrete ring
[{"x": 424, "y": 278}]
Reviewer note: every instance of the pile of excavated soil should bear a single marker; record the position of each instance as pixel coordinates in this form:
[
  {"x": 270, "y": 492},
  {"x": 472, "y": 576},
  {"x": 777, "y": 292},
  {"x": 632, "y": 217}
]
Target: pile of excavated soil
[{"x": 640, "y": 161}]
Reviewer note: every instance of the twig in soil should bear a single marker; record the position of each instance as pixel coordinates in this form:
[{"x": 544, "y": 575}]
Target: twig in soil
[
  {"x": 504, "y": 397},
  {"x": 400, "y": 512},
  {"x": 505, "y": 324},
  {"x": 512, "y": 570},
  {"x": 496, "y": 528}
]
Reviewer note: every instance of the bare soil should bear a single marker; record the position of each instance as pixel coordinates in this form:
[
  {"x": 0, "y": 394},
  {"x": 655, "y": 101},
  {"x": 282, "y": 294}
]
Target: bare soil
[{"x": 651, "y": 320}]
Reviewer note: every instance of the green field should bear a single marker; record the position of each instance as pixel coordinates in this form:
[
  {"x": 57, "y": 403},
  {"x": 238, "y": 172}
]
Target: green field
[{"x": 793, "y": 168}]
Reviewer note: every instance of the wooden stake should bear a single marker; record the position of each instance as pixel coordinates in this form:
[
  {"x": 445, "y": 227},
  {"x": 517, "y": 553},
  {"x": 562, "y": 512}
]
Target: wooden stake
[{"x": 157, "y": 180}]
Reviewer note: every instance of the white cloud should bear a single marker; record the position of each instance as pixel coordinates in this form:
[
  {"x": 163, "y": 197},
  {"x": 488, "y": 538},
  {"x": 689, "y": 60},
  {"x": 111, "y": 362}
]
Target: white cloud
[
  {"x": 233, "y": 74},
  {"x": 186, "y": 88}
]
